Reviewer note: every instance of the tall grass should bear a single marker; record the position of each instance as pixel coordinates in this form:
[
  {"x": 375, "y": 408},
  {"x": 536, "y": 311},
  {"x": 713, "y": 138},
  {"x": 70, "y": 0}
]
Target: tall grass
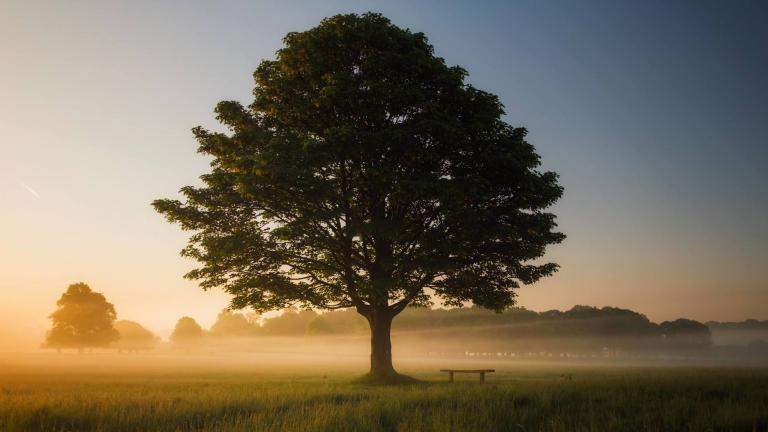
[{"x": 677, "y": 399}]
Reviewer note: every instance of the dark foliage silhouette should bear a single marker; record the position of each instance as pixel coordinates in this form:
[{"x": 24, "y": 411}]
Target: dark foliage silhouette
[
  {"x": 367, "y": 174},
  {"x": 686, "y": 332}
]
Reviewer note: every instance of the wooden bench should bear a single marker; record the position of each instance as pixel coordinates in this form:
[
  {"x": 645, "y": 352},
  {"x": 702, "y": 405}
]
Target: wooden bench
[{"x": 482, "y": 372}]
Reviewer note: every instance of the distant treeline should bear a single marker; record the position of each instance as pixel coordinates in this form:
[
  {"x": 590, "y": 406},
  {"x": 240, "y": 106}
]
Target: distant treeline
[
  {"x": 608, "y": 330},
  {"x": 580, "y": 321},
  {"x": 85, "y": 319},
  {"x": 749, "y": 332},
  {"x": 580, "y": 326},
  {"x": 750, "y": 324}
]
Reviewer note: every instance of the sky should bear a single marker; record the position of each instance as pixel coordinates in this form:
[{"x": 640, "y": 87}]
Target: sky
[{"x": 654, "y": 113}]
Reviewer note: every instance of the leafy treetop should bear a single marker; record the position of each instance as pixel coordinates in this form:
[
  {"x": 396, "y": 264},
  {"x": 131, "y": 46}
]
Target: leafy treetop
[
  {"x": 84, "y": 319},
  {"x": 366, "y": 173}
]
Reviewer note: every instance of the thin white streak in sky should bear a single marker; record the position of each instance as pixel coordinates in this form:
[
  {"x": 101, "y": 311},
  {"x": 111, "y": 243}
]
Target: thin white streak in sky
[{"x": 29, "y": 189}]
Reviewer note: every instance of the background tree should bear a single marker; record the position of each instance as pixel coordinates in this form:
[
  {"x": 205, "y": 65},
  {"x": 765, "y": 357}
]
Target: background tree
[
  {"x": 233, "y": 325},
  {"x": 366, "y": 173},
  {"x": 685, "y": 333},
  {"x": 292, "y": 322},
  {"x": 738, "y": 333},
  {"x": 84, "y": 319},
  {"x": 187, "y": 332},
  {"x": 346, "y": 321},
  {"x": 134, "y": 337}
]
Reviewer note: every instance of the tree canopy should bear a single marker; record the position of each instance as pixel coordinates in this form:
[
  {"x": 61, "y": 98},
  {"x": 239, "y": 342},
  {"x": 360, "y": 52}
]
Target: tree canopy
[
  {"x": 187, "y": 331},
  {"x": 134, "y": 337},
  {"x": 686, "y": 332},
  {"x": 232, "y": 324},
  {"x": 367, "y": 173},
  {"x": 84, "y": 319}
]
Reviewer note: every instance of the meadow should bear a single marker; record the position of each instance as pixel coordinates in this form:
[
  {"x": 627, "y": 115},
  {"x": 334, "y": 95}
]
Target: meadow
[{"x": 102, "y": 396}]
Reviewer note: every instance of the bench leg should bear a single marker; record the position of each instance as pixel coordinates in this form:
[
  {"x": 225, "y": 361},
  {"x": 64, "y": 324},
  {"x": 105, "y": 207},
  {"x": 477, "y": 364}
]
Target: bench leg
[
  {"x": 482, "y": 377},
  {"x": 450, "y": 376}
]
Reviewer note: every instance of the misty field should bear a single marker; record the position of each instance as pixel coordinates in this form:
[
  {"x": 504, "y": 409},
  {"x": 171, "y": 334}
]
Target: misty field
[{"x": 516, "y": 398}]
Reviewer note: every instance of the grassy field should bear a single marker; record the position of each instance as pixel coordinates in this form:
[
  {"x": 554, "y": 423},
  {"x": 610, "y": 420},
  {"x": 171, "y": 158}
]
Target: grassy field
[{"x": 516, "y": 398}]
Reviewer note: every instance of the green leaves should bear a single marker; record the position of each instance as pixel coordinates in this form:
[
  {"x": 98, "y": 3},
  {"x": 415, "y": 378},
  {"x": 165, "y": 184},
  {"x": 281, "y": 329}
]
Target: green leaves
[{"x": 366, "y": 173}]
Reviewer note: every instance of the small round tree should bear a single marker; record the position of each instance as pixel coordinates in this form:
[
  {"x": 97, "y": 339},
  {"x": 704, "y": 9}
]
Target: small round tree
[
  {"x": 84, "y": 319},
  {"x": 187, "y": 332},
  {"x": 367, "y": 174},
  {"x": 134, "y": 337}
]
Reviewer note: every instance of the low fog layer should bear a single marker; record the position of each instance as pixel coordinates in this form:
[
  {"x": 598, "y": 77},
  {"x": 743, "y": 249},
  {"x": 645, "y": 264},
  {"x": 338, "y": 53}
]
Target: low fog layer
[{"x": 304, "y": 338}]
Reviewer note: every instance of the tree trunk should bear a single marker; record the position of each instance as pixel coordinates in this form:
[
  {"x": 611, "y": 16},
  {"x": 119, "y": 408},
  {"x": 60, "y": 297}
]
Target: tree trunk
[{"x": 381, "y": 345}]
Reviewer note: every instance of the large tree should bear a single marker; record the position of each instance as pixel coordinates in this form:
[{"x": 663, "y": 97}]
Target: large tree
[
  {"x": 84, "y": 319},
  {"x": 367, "y": 174}
]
